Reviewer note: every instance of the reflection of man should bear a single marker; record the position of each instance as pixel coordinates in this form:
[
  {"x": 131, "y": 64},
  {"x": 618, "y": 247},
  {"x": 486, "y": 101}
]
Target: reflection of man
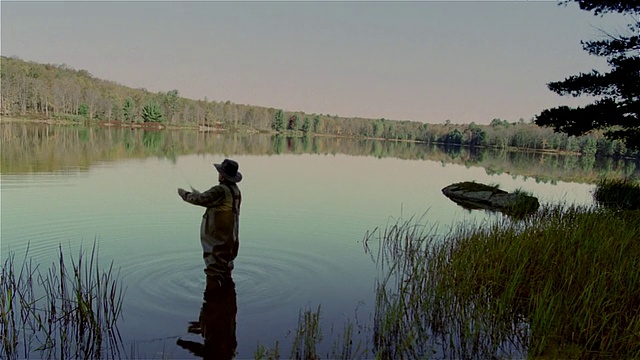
[
  {"x": 220, "y": 222},
  {"x": 217, "y": 322}
]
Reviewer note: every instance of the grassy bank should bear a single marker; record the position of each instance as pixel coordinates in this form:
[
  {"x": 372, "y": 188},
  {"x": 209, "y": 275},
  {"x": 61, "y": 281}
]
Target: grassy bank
[{"x": 564, "y": 282}]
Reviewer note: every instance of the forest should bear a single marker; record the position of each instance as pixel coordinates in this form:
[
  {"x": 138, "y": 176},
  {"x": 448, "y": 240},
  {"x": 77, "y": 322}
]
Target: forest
[{"x": 38, "y": 91}]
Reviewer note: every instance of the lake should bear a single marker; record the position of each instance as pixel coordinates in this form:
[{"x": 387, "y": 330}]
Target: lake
[{"x": 307, "y": 204}]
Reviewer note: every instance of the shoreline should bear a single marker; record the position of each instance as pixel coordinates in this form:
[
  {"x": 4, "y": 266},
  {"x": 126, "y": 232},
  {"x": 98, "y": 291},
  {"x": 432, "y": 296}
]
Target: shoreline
[{"x": 218, "y": 129}]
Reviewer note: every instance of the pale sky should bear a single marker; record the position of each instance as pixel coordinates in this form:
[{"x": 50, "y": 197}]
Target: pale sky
[{"x": 423, "y": 61}]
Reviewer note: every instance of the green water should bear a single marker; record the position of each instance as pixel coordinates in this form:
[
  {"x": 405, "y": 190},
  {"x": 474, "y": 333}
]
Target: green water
[{"x": 307, "y": 204}]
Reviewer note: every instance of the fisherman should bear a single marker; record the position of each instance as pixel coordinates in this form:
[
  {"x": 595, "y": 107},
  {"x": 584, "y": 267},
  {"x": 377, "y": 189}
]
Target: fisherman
[{"x": 220, "y": 222}]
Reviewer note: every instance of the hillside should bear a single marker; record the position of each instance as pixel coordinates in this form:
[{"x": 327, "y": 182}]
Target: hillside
[{"x": 45, "y": 91}]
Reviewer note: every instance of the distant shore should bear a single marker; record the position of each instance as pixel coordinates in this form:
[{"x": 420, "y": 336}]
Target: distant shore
[
  {"x": 219, "y": 128},
  {"x": 104, "y": 123}
]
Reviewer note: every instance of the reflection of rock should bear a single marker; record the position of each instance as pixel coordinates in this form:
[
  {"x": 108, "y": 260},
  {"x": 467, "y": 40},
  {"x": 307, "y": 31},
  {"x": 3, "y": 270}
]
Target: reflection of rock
[{"x": 471, "y": 195}]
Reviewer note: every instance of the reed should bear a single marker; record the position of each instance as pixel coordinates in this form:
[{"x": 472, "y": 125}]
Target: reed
[
  {"x": 308, "y": 337},
  {"x": 563, "y": 282},
  {"x": 63, "y": 312},
  {"x": 618, "y": 193},
  {"x": 263, "y": 352}
]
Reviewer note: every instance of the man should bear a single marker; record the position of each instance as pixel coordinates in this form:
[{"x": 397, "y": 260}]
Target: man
[{"x": 220, "y": 222}]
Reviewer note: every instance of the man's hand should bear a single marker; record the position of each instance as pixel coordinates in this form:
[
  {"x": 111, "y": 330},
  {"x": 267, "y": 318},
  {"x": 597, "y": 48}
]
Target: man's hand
[{"x": 182, "y": 192}]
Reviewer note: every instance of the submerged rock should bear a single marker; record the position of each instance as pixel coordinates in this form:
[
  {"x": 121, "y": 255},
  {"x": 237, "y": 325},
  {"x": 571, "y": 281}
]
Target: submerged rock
[{"x": 472, "y": 195}]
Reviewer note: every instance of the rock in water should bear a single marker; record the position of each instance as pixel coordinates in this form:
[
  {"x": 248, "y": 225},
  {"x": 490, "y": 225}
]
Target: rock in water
[{"x": 472, "y": 195}]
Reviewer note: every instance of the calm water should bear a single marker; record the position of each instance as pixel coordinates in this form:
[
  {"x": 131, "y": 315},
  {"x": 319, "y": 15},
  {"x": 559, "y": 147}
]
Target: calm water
[{"x": 302, "y": 221}]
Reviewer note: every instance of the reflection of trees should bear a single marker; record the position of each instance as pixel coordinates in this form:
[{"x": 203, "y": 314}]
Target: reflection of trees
[
  {"x": 456, "y": 152},
  {"x": 630, "y": 168},
  {"x": 587, "y": 162},
  {"x": 570, "y": 163},
  {"x": 305, "y": 143},
  {"x": 152, "y": 140},
  {"x": 41, "y": 148},
  {"x": 278, "y": 144},
  {"x": 292, "y": 144}
]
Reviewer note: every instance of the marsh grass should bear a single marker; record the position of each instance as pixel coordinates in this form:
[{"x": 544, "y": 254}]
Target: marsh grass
[
  {"x": 63, "y": 312},
  {"x": 307, "y": 336},
  {"x": 521, "y": 191},
  {"x": 618, "y": 194},
  {"x": 307, "y": 342},
  {"x": 562, "y": 283}
]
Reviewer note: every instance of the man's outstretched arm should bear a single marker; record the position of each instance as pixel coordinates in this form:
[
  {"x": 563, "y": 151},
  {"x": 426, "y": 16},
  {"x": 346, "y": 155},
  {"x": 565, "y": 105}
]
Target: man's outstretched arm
[{"x": 209, "y": 198}]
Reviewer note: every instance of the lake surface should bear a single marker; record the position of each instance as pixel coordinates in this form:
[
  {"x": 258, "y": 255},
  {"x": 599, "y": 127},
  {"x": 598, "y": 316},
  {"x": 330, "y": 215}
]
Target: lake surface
[{"x": 303, "y": 218}]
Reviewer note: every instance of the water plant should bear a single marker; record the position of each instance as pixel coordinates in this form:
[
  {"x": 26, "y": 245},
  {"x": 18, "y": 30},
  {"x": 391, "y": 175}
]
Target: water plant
[
  {"x": 618, "y": 193},
  {"x": 308, "y": 337},
  {"x": 562, "y": 283},
  {"x": 61, "y": 312}
]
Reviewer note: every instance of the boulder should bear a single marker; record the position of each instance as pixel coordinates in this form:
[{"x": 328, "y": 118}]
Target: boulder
[{"x": 472, "y": 195}]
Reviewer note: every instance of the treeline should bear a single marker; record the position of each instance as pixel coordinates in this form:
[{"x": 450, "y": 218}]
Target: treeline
[
  {"x": 28, "y": 148},
  {"x": 60, "y": 92}
]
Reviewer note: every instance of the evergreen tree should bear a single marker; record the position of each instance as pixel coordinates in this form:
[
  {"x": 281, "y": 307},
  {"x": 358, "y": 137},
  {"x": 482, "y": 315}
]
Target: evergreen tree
[
  {"x": 83, "y": 110},
  {"x": 152, "y": 113},
  {"x": 316, "y": 124},
  {"x": 306, "y": 125},
  {"x": 378, "y": 127},
  {"x": 617, "y": 109},
  {"x": 278, "y": 123},
  {"x": 170, "y": 103},
  {"x": 454, "y": 137},
  {"x": 128, "y": 110}
]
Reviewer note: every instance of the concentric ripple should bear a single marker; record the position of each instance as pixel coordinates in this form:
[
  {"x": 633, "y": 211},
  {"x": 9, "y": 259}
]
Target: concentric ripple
[{"x": 271, "y": 279}]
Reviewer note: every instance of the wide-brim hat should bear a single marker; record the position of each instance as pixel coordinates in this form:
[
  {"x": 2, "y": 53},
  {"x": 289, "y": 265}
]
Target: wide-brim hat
[{"x": 229, "y": 170}]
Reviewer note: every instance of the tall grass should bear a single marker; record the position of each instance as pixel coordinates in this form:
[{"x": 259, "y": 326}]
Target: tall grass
[
  {"x": 308, "y": 337},
  {"x": 564, "y": 282},
  {"x": 618, "y": 194},
  {"x": 561, "y": 283},
  {"x": 62, "y": 312}
]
